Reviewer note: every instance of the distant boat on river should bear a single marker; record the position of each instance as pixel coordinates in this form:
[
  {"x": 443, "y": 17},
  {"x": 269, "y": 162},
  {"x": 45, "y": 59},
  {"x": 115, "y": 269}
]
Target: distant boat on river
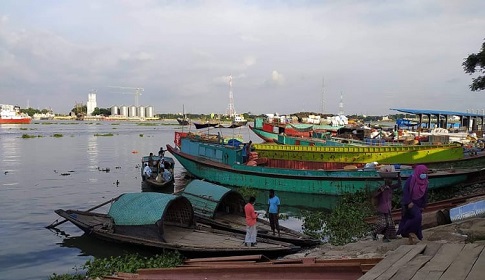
[{"x": 10, "y": 114}]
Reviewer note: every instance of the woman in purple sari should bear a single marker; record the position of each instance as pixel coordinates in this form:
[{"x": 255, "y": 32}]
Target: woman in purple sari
[{"x": 414, "y": 199}]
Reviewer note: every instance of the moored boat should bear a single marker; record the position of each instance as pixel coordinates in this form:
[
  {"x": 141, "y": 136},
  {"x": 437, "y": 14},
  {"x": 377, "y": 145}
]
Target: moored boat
[
  {"x": 224, "y": 164},
  {"x": 10, "y": 114},
  {"x": 200, "y": 125},
  {"x": 183, "y": 121},
  {"x": 238, "y": 120},
  {"x": 223, "y": 208},
  {"x": 163, "y": 221},
  {"x": 360, "y": 155}
]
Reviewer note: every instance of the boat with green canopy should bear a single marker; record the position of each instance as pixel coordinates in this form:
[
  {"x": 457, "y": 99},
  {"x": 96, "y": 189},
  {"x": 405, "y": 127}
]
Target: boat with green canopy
[
  {"x": 223, "y": 208},
  {"x": 165, "y": 221}
]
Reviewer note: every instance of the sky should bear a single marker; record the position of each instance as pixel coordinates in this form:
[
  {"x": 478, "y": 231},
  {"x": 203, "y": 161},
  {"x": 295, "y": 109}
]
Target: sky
[{"x": 355, "y": 57}]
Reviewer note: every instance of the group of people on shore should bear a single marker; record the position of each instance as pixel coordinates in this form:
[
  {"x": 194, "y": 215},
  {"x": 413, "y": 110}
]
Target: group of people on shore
[
  {"x": 273, "y": 212},
  {"x": 413, "y": 201}
]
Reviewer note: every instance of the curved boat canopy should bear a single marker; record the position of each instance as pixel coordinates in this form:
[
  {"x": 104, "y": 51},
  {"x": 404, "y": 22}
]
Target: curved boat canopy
[
  {"x": 208, "y": 198},
  {"x": 147, "y": 208}
]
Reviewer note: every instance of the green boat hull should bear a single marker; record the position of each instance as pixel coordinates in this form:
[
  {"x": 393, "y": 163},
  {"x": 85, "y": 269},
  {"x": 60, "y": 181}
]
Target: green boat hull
[{"x": 222, "y": 165}]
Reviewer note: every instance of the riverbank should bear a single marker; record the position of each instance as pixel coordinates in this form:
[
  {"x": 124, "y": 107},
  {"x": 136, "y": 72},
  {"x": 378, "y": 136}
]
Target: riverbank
[{"x": 466, "y": 231}]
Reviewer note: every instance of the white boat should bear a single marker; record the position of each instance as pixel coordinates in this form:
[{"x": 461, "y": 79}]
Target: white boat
[
  {"x": 239, "y": 120},
  {"x": 10, "y": 114}
]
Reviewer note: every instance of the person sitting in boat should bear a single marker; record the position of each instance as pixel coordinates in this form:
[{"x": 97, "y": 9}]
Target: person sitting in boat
[
  {"x": 147, "y": 172},
  {"x": 167, "y": 175}
]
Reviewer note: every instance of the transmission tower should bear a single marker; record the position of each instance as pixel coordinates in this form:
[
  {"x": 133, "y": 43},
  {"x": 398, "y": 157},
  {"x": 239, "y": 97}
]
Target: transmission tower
[
  {"x": 231, "y": 111},
  {"x": 341, "y": 105}
]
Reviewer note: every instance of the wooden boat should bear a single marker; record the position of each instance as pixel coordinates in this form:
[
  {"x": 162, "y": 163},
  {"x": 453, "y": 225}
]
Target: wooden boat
[
  {"x": 157, "y": 181},
  {"x": 183, "y": 121},
  {"x": 333, "y": 157},
  {"x": 223, "y": 164},
  {"x": 165, "y": 221},
  {"x": 207, "y": 137},
  {"x": 238, "y": 120},
  {"x": 361, "y": 155},
  {"x": 207, "y": 124},
  {"x": 223, "y": 208},
  {"x": 269, "y": 131}
]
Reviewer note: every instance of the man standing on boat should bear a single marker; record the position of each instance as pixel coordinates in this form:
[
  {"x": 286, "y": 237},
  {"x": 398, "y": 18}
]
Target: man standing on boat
[
  {"x": 274, "y": 212},
  {"x": 251, "y": 217}
]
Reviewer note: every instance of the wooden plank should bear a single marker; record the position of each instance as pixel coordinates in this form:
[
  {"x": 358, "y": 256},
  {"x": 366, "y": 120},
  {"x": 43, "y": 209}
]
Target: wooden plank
[
  {"x": 415, "y": 251},
  {"x": 440, "y": 262},
  {"x": 230, "y": 258},
  {"x": 463, "y": 263},
  {"x": 478, "y": 269},
  {"x": 432, "y": 248},
  {"x": 408, "y": 270},
  {"x": 387, "y": 262}
]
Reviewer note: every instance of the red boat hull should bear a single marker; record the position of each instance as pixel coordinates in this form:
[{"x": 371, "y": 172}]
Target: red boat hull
[{"x": 15, "y": 121}]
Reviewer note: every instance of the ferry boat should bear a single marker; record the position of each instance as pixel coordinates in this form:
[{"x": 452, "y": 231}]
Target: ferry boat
[{"x": 10, "y": 114}]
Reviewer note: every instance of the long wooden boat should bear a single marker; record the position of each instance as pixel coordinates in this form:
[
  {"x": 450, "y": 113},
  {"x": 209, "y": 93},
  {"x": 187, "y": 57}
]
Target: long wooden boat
[
  {"x": 223, "y": 208},
  {"x": 333, "y": 157},
  {"x": 223, "y": 164},
  {"x": 165, "y": 221},
  {"x": 156, "y": 181},
  {"x": 183, "y": 121},
  {"x": 269, "y": 131},
  {"x": 205, "y": 125}
]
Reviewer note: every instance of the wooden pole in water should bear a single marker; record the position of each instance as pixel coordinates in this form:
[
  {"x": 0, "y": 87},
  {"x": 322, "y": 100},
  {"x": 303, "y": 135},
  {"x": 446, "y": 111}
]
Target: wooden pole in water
[{"x": 89, "y": 210}]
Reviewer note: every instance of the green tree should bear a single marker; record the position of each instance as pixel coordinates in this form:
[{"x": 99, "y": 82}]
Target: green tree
[{"x": 475, "y": 62}]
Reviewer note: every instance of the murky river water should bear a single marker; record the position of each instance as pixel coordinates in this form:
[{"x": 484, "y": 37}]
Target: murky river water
[{"x": 45, "y": 173}]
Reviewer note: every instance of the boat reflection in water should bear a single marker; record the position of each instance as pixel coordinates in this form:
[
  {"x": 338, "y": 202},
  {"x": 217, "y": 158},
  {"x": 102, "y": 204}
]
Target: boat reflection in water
[{"x": 101, "y": 249}]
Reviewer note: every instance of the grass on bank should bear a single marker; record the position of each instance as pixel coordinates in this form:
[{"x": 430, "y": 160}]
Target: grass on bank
[{"x": 345, "y": 223}]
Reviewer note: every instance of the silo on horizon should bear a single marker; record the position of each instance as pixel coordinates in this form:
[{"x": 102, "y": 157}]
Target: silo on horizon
[
  {"x": 115, "y": 110},
  {"x": 132, "y": 111},
  {"x": 124, "y": 111},
  {"x": 149, "y": 112},
  {"x": 140, "y": 112}
]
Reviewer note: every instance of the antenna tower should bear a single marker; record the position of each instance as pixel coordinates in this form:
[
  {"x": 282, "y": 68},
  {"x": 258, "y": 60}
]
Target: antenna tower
[
  {"x": 323, "y": 95},
  {"x": 341, "y": 104},
  {"x": 231, "y": 111}
]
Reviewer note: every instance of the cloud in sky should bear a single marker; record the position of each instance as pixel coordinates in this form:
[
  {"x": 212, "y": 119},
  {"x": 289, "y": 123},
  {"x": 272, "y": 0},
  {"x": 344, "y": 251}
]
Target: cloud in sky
[{"x": 377, "y": 54}]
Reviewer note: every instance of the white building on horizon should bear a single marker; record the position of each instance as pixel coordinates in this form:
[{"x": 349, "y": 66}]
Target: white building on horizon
[{"x": 91, "y": 104}]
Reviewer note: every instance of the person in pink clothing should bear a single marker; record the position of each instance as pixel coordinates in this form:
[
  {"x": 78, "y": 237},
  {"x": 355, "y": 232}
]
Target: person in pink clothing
[
  {"x": 385, "y": 224},
  {"x": 251, "y": 217}
]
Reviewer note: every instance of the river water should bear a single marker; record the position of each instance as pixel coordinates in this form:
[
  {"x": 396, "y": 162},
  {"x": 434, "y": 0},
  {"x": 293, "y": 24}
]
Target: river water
[{"x": 45, "y": 173}]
